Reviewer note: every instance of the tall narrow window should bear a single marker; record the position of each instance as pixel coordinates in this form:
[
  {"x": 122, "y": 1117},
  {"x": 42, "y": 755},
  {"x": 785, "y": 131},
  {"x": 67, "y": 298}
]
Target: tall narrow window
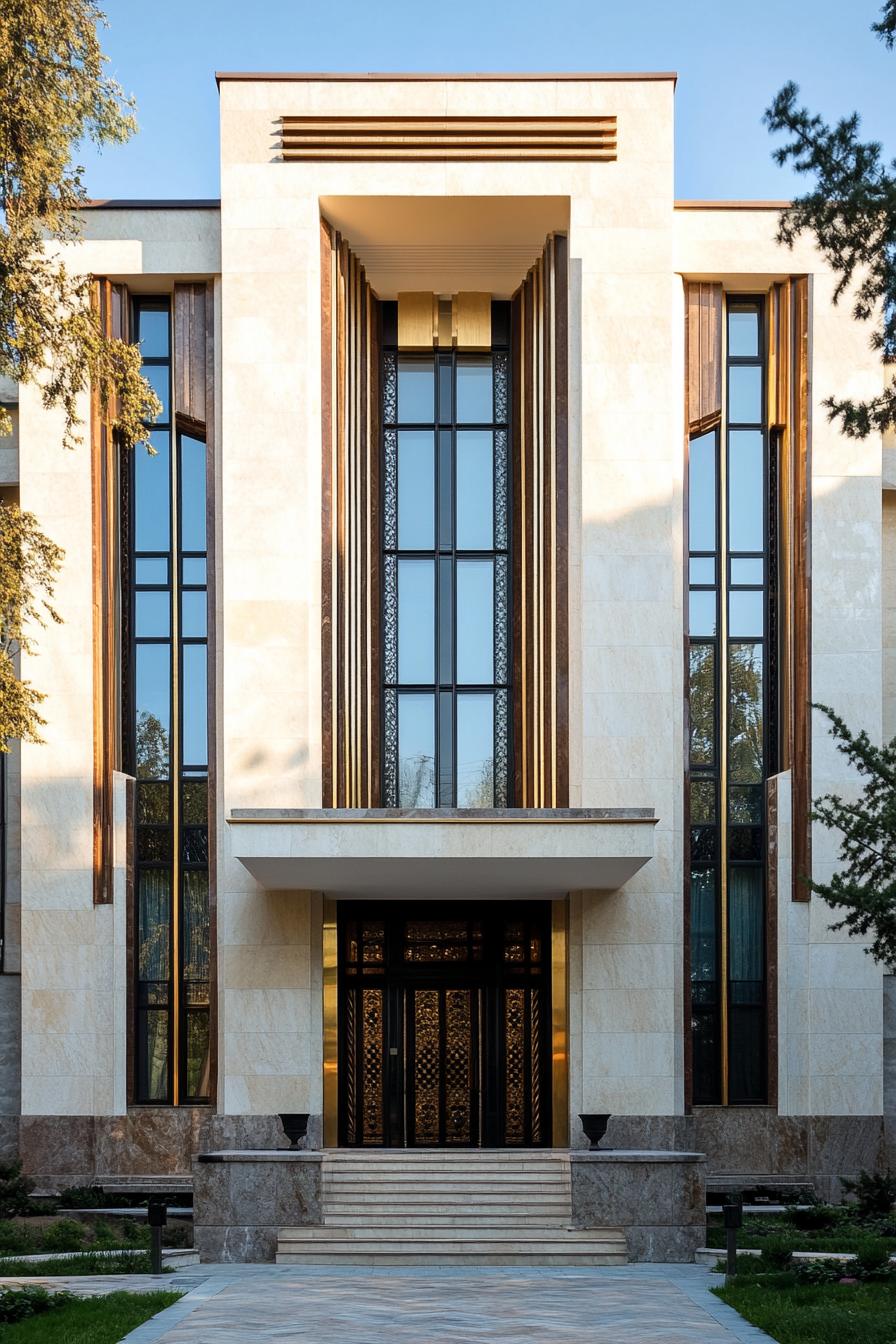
[
  {"x": 446, "y": 531},
  {"x": 165, "y": 732},
  {"x": 730, "y": 743}
]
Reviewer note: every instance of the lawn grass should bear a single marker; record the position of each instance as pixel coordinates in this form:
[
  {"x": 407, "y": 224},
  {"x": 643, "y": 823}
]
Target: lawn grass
[
  {"x": 792, "y": 1313},
  {"x": 81, "y": 1264},
  {"x": 91, "y": 1320}
]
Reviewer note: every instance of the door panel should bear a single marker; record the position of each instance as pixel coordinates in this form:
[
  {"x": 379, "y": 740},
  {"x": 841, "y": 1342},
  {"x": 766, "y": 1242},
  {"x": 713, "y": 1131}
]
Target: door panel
[{"x": 444, "y": 1023}]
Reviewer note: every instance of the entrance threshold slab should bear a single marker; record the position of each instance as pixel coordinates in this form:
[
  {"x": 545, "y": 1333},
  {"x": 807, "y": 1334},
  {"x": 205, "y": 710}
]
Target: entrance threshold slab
[{"x": 443, "y": 853}]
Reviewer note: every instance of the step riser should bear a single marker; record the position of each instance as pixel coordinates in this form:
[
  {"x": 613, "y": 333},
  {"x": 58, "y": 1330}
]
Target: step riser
[
  {"x": 558, "y": 1219},
  {"x": 407, "y": 1261}
]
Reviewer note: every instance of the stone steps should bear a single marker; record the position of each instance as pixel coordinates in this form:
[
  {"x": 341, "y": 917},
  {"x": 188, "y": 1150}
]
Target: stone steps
[{"x": 406, "y": 1207}]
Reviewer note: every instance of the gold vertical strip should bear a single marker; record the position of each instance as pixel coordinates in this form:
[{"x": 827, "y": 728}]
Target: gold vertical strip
[
  {"x": 330, "y": 954},
  {"x": 523, "y": 523},
  {"x": 538, "y": 498},
  {"x": 552, "y": 556},
  {"x": 723, "y": 701},
  {"x": 351, "y": 584},
  {"x": 174, "y": 456},
  {"x": 560, "y": 1023}
]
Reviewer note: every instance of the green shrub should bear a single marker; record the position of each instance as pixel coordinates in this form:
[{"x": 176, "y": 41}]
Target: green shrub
[
  {"x": 17, "y": 1304},
  {"x": 815, "y": 1218},
  {"x": 16, "y": 1240},
  {"x": 82, "y": 1197},
  {"x": 875, "y": 1192},
  {"x": 817, "y": 1272},
  {"x": 872, "y": 1257},
  {"x": 776, "y": 1253},
  {"x": 66, "y": 1235},
  {"x": 15, "y": 1191}
]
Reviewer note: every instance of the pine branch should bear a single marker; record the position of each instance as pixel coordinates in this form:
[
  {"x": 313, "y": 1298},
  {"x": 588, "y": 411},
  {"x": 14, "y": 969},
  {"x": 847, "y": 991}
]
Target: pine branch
[{"x": 851, "y": 215}]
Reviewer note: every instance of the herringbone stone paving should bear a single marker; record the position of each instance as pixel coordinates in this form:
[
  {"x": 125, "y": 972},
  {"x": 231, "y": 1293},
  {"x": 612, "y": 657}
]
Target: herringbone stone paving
[{"x": 634, "y": 1305}]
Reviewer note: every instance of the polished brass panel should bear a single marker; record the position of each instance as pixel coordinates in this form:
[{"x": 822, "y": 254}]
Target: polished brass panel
[
  {"x": 330, "y": 1027},
  {"x": 418, "y": 321},
  {"x": 560, "y": 1022},
  {"x": 471, "y": 321}
]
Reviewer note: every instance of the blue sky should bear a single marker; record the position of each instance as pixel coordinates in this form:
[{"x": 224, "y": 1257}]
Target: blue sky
[{"x": 731, "y": 57}]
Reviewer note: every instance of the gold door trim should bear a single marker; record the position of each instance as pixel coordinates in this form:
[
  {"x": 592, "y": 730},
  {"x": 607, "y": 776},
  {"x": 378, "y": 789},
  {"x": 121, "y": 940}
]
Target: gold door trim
[
  {"x": 330, "y": 1027},
  {"x": 560, "y": 1023}
]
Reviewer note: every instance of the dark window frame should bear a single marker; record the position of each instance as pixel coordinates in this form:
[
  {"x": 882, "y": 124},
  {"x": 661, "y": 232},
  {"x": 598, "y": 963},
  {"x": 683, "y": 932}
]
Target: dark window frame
[{"x": 446, "y": 691}]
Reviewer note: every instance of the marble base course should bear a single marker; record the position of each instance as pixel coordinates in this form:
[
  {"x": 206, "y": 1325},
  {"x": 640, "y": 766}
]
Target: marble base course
[
  {"x": 657, "y": 1198},
  {"x": 242, "y": 1199}
]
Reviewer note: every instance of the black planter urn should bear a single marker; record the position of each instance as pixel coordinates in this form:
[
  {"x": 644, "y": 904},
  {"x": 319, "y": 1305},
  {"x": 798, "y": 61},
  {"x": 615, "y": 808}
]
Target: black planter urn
[
  {"x": 595, "y": 1127},
  {"x": 295, "y": 1126}
]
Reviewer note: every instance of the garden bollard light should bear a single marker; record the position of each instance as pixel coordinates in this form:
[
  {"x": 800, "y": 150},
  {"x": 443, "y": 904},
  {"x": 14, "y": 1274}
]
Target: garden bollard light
[
  {"x": 158, "y": 1217},
  {"x": 733, "y": 1214}
]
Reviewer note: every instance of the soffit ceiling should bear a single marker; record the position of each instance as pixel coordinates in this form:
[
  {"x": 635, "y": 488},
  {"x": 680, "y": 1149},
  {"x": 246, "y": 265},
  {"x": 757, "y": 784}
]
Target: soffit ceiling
[{"x": 446, "y": 244}]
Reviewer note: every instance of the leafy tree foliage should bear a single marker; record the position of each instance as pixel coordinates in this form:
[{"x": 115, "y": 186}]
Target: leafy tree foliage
[
  {"x": 53, "y": 96},
  {"x": 851, "y": 214},
  {"x": 866, "y": 885},
  {"x": 29, "y": 563}
]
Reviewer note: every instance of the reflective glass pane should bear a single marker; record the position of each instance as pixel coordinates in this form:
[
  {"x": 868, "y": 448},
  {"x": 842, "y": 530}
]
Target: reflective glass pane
[
  {"x": 743, "y": 330},
  {"x": 153, "y": 844},
  {"x": 194, "y": 569},
  {"x": 746, "y": 924},
  {"x": 195, "y": 801},
  {"x": 152, "y": 801},
  {"x": 416, "y": 750},
  {"x": 745, "y": 843},
  {"x": 745, "y": 804},
  {"x": 474, "y": 391},
  {"x": 416, "y": 392},
  {"x": 702, "y": 569},
  {"x": 745, "y": 740},
  {"x": 152, "y": 504},
  {"x": 153, "y": 711},
  {"x": 158, "y": 377},
  {"x": 152, "y": 614},
  {"x": 194, "y": 616},
  {"x": 416, "y": 489},
  {"x": 152, "y": 332},
  {"x": 745, "y": 614},
  {"x": 151, "y": 569},
  {"x": 153, "y": 917},
  {"x": 747, "y": 570},
  {"x": 704, "y": 843},
  {"x": 703, "y": 801},
  {"x": 416, "y": 621},
  {"x": 475, "y": 623},
  {"x": 475, "y": 489},
  {"x": 745, "y": 490},
  {"x": 192, "y": 494},
  {"x": 745, "y": 394},
  {"x": 195, "y": 705},
  {"x": 195, "y": 926},
  {"x": 702, "y": 612},
  {"x": 702, "y": 704},
  {"x": 704, "y": 970},
  {"x": 152, "y": 1055},
  {"x": 197, "y": 1053},
  {"x": 702, "y": 494},
  {"x": 475, "y": 751}
]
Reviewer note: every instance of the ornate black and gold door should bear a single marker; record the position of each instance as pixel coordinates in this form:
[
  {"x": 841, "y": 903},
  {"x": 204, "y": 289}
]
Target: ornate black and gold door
[{"x": 444, "y": 1020}]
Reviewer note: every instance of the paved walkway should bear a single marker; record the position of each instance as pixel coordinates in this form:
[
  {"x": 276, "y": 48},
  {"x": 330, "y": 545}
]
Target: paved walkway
[{"x": 635, "y": 1304}]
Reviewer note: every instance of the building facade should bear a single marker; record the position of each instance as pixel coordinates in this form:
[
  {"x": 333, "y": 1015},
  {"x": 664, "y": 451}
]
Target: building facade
[{"x": 429, "y": 744}]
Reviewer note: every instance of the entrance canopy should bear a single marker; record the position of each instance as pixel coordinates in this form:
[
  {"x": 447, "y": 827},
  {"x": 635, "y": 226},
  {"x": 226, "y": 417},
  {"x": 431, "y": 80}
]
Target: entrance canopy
[{"x": 427, "y": 853}]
